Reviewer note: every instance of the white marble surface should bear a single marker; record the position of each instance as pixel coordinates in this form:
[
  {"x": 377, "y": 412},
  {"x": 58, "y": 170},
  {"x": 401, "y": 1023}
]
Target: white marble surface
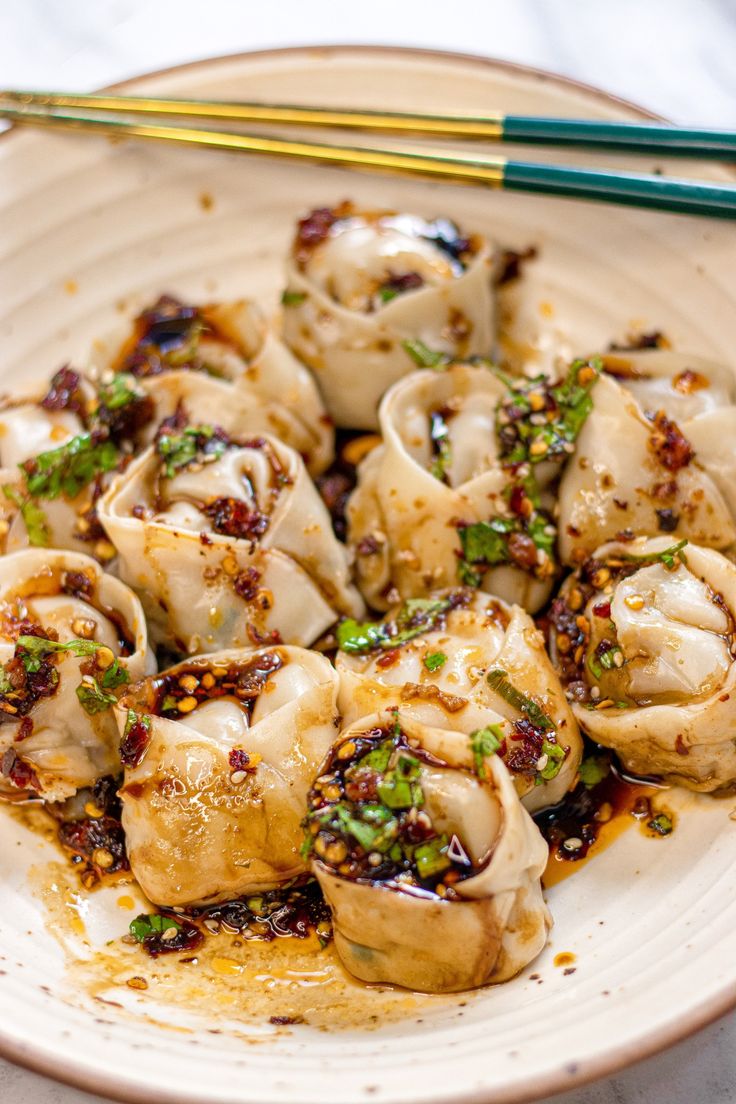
[{"x": 674, "y": 56}]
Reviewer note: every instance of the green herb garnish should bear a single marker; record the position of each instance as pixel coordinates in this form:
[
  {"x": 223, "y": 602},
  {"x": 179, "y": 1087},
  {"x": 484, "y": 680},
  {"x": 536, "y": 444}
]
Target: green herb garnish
[
  {"x": 70, "y": 468},
  {"x": 416, "y": 616},
  {"x": 386, "y": 294},
  {"x": 661, "y": 824},
  {"x": 424, "y": 357},
  {"x": 399, "y": 788},
  {"x": 555, "y": 758},
  {"x": 144, "y": 926},
  {"x": 92, "y": 697},
  {"x": 484, "y": 742},
  {"x": 593, "y": 770},
  {"x": 440, "y": 436},
  {"x": 178, "y": 450},
  {"x": 431, "y": 857},
  {"x": 538, "y": 422},
  {"x": 668, "y": 556},
  {"x": 35, "y": 519},
  {"x": 292, "y": 298},
  {"x": 118, "y": 392},
  {"x": 498, "y": 681},
  {"x": 434, "y": 661}
]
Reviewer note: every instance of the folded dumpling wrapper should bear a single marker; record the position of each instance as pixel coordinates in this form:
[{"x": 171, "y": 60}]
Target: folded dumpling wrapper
[
  {"x": 68, "y": 746},
  {"x": 203, "y": 588},
  {"x": 632, "y": 471},
  {"x": 214, "y": 794},
  {"x": 223, "y": 364},
  {"x": 371, "y": 282},
  {"x": 657, "y": 682},
  {"x": 489, "y": 925},
  {"x": 440, "y": 670},
  {"x": 404, "y": 520}
]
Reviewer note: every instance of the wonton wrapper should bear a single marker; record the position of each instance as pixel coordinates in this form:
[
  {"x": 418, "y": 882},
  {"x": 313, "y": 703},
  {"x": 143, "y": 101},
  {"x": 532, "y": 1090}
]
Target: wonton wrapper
[
  {"x": 356, "y": 354},
  {"x": 615, "y": 481},
  {"x": 679, "y": 676},
  {"x": 186, "y": 573},
  {"x": 260, "y": 387},
  {"x": 419, "y": 941},
  {"x": 26, "y": 430},
  {"x": 68, "y": 748},
  {"x": 475, "y": 638},
  {"x": 197, "y": 830},
  {"x": 403, "y": 520}
]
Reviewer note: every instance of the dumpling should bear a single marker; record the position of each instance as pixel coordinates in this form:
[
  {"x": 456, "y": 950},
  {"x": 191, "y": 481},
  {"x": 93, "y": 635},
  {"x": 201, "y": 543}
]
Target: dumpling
[
  {"x": 643, "y": 636},
  {"x": 71, "y": 638},
  {"x": 366, "y": 288},
  {"x": 227, "y": 542},
  {"x": 221, "y": 364},
  {"x": 435, "y": 503},
  {"x": 58, "y": 450},
  {"x": 219, "y": 754},
  {"x": 433, "y": 658},
  {"x": 426, "y": 857},
  {"x": 653, "y": 456}
]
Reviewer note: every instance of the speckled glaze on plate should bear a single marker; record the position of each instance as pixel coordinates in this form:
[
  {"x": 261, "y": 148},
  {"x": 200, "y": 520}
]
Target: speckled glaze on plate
[{"x": 90, "y": 230}]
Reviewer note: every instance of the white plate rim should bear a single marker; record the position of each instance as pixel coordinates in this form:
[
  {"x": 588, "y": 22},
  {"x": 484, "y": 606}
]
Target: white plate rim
[{"x": 615, "y": 1059}]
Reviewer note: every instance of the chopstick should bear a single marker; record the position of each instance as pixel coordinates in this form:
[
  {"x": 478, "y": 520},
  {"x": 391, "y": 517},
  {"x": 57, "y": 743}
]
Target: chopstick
[
  {"x": 633, "y": 189},
  {"x": 644, "y": 138}
]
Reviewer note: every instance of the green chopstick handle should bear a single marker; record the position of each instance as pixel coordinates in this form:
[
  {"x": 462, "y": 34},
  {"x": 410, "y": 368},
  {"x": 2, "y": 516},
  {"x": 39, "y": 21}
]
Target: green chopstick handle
[
  {"x": 635, "y": 189},
  {"x": 647, "y": 138}
]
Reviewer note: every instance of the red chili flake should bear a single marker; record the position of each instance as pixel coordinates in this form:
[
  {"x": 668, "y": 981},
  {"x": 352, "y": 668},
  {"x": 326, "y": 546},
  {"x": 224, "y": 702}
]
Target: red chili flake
[
  {"x": 315, "y": 227},
  {"x": 667, "y": 520},
  {"x": 362, "y": 784},
  {"x": 625, "y": 536},
  {"x": 279, "y": 1020},
  {"x": 512, "y": 263},
  {"x": 25, "y": 728},
  {"x": 602, "y": 609},
  {"x": 408, "y": 282},
  {"x": 688, "y": 381},
  {"x": 233, "y": 517},
  {"x": 245, "y": 583},
  {"x": 64, "y": 392},
  {"x": 523, "y": 551},
  {"x": 388, "y": 658},
  {"x": 517, "y": 499},
  {"x": 260, "y": 638},
  {"x": 134, "y": 743},
  {"x": 239, "y": 760},
  {"x": 17, "y": 771},
  {"x": 680, "y": 746},
  {"x": 526, "y": 747},
  {"x": 655, "y": 339},
  {"x": 667, "y": 489},
  {"x": 205, "y": 539},
  {"x": 368, "y": 546},
  {"x": 672, "y": 448}
]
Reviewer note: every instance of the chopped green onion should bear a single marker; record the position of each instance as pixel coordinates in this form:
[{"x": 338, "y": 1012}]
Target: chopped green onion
[
  {"x": 70, "y": 468},
  {"x": 431, "y": 857},
  {"x": 424, "y": 357},
  {"x": 661, "y": 824},
  {"x": 293, "y": 298},
  {"x": 484, "y": 742},
  {"x": 35, "y": 519},
  {"x": 593, "y": 770},
  {"x": 434, "y": 661},
  {"x": 498, "y": 681},
  {"x": 143, "y": 926}
]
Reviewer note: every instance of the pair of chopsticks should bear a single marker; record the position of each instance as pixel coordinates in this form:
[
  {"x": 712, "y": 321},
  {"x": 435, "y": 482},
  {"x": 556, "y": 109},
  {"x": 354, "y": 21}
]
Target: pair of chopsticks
[{"x": 80, "y": 112}]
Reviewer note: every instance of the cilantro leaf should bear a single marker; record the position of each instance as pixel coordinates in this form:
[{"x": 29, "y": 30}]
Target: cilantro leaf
[
  {"x": 35, "y": 519},
  {"x": 70, "y": 468},
  {"x": 292, "y": 298},
  {"x": 145, "y": 925},
  {"x": 178, "y": 450},
  {"x": 416, "y": 616},
  {"x": 92, "y": 698}
]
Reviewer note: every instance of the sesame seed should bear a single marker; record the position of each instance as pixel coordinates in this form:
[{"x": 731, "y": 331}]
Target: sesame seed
[
  {"x": 104, "y": 658},
  {"x": 188, "y": 683},
  {"x": 103, "y": 858},
  {"x": 595, "y": 692},
  {"x": 186, "y": 705},
  {"x": 238, "y": 777},
  {"x": 169, "y": 934},
  {"x": 542, "y": 762},
  {"x": 634, "y": 601},
  {"x": 137, "y": 983},
  {"x": 572, "y": 843}
]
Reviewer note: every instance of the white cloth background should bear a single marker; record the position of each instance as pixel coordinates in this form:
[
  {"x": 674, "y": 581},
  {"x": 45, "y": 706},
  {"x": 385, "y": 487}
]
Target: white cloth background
[{"x": 677, "y": 57}]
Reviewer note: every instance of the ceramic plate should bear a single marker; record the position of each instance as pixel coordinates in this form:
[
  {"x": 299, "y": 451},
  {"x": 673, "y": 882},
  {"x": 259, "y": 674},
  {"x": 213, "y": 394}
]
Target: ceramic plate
[{"x": 89, "y": 231}]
